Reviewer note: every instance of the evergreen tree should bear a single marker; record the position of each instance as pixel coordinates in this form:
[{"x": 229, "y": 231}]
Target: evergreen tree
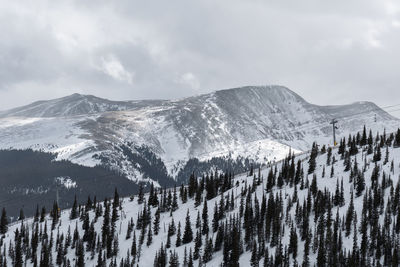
[
  {"x": 74, "y": 211},
  {"x": 37, "y": 214},
  {"x": 197, "y": 245},
  {"x": 156, "y": 226},
  {"x": 207, "y": 256},
  {"x": 3, "y": 222},
  {"x": 178, "y": 236},
  {"x": 306, "y": 260},
  {"x": 80, "y": 262},
  {"x": 100, "y": 262},
  {"x": 190, "y": 261},
  {"x": 360, "y": 184},
  {"x": 18, "y": 260},
  {"x": 173, "y": 259},
  {"x": 349, "y": 215},
  {"x": 174, "y": 201},
  {"x": 188, "y": 233},
  {"x": 254, "y": 256},
  {"x": 235, "y": 251},
  {"x": 133, "y": 247},
  {"x": 205, "y": 227},
  {"x": 140, "y": 194},
  {"x": 149, "y": 236},
  {"x": 313, "y": 156},
  {"x": 21, "y": 215},
  {"x": 293, "y": 242}
]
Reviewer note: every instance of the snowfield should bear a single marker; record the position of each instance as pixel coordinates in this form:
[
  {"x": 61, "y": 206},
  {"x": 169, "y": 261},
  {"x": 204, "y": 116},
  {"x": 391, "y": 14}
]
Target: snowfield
[
  {"x": 258, "y": 122},
  {"x": 326, "y": 180}
]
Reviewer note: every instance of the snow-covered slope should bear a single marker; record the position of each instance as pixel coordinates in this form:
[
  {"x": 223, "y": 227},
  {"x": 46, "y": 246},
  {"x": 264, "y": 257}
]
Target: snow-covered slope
[
  {"x": 74, "y": 105},
  {"x": 260, "y": 122},
  {"x": 271, "y": 211}
]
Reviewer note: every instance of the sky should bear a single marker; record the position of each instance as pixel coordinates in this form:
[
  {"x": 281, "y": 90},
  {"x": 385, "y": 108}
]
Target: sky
[{"x": 329, "y": 52}]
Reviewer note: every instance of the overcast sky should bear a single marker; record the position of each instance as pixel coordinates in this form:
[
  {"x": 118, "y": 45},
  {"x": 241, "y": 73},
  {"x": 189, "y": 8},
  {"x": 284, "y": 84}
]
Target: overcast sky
[{"x": 329, "y": 52}]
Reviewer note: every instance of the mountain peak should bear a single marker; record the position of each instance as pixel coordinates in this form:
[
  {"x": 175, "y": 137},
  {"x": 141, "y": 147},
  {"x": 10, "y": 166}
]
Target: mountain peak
[
  {"x": 267, "y": 92},
  {"x": 72, "y": 105}
]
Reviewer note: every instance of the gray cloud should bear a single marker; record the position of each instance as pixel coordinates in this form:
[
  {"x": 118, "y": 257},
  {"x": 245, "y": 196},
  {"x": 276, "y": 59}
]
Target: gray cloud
[{"x": 328, "y": 52}]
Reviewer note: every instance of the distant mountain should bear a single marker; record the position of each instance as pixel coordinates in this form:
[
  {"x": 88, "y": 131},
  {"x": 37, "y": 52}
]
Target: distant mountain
[
  {"x": 260, "y": 123},
  {"x": 74, "y": 105}
]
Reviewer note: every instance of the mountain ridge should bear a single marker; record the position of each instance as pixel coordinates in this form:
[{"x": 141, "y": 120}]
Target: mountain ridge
[
  {"x": 282, "y": 91},
  {"x": 257, "y": 122}
]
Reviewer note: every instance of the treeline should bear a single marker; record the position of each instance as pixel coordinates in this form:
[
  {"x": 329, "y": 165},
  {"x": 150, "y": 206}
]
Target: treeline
[
  {"x": 29, "y": 178},
  {"x": 237, "y": 165},
  {"x": 271, "y": 218}
]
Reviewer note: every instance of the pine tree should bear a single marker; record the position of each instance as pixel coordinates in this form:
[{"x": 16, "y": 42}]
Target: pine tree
[
  {"x": 81, "y": 255},
  {"x": 37, "y": 214},
  {"x": 215, "y": 221},
  {"x": 188, "y": 233},
  {"x": 18, "y": 260},
  {"x": 74, "y": 212},
  {"x": 133, "y": 247},
  {"x": 168, "y": 245},
  {"x": 293, "y": 242},
  {"x": 360, "y": 184},
  {"x": 21, "y": 215},
  {"x": 254, "y": 256},
  {"x": 156, "y": 227},
  {"x": 173, "y": 259},
  {"x": 174, "y": 201},
  {"x": 197, "y": 245},
  {"x": 152, "y": 195},
  {"x": 363, "y": 140},
  {"x": 349, "y": 215},
  {"x": 306, "y": 260},
  {"x": 235, "y": 251},
  {"x": 386, "y": 156},
  {"x": 313, "y": 156},
  {"x": 115, "y": 246},
  {"x": 3, "y": 222},
  {"x": 114, "y": 215},
  {"x": 207, "y": 256},
  {"x": 178, "y": 236},
  {"x": 185, "y": 258},
  {"x": 149, "y": 236},
  {"x": 190, "y": 261},
  {"x": 140, "y": 194},
  {"x": 60, "y": 255},
  {"x": 378, "y": 155},
  {"x": 205, "y": 227},
  {"x": 106, "y": 223},
  {"x": 100, "y": 262},
  {"x": 45, "y": 256}
]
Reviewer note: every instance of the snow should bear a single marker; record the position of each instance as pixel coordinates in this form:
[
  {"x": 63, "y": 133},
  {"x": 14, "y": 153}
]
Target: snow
[
  {"x": 67, "y": 182},
  {"x": 132, "y": 208},
  {"x": 259, "y": 122},
  {"x": 56, "y": 135}
]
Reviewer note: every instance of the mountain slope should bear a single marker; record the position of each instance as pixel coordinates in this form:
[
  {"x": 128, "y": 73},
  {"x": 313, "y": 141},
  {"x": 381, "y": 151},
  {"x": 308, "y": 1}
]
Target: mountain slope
[
  {"x": 259, "y": 122},
  {"x": 74, "y": 105},
  {"x": 30, "y": 178},
  {"x": 342, "y": 213}
]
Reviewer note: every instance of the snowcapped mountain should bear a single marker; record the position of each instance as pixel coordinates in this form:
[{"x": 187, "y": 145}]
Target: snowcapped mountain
[
  {"x": 73, "y": 105},
  {"x": 330, "y": 207},
  {"x": 258, "y": 122}
]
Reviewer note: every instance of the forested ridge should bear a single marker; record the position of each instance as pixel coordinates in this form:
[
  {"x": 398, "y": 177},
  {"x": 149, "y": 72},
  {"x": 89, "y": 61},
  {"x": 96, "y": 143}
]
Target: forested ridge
[{"x": 331, "y": 207}]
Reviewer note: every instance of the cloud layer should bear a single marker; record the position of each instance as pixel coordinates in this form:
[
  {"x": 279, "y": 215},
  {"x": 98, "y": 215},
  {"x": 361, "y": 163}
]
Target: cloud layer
[{"x": 329, "y": 52}]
